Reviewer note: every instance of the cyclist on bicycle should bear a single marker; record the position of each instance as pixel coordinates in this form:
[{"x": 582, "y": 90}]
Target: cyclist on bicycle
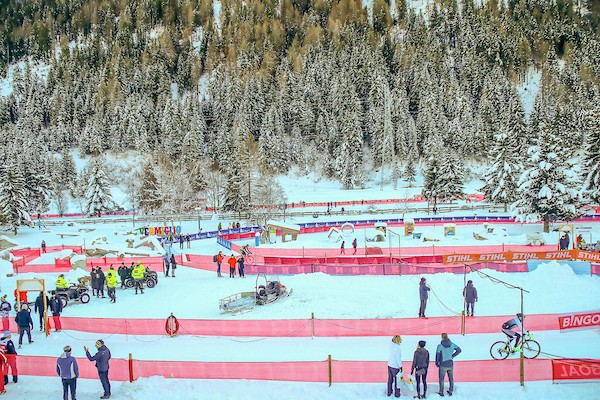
[
  {"x": 245, "y": 250},
  {"x": 508, "y": 328}
]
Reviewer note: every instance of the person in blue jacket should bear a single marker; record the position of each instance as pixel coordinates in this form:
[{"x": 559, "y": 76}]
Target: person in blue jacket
[
  {"x": 444, "y": 360},
  {"x": 68, "y": 371},
  {"x": 101, "y": 357}
]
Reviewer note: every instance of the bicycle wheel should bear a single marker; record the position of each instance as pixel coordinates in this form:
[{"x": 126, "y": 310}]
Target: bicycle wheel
[
  {"x": 531, "y": 349},
  {"x": 249, "y": 259},
  {"x": 499, "y": 350}
]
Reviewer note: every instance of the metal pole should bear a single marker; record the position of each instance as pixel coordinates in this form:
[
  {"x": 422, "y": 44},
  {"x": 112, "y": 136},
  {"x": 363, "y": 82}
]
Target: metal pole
[
  {"x": 522, "y": 358},
  {"x": 463, "y": 320}
]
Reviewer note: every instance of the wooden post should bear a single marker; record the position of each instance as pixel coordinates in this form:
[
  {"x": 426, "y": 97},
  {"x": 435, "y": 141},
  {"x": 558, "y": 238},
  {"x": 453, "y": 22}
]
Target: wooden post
[
  {"x": 329, "y": 368},
  {"x": 312, "y": 318},
  {"x": 521, "y": 358},
  {"x": 130, "y": 367}
]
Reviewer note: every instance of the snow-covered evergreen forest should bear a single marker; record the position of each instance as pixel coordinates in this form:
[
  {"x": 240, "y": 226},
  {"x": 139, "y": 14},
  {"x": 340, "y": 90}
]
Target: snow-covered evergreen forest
[{"x": 219, "y": 97}]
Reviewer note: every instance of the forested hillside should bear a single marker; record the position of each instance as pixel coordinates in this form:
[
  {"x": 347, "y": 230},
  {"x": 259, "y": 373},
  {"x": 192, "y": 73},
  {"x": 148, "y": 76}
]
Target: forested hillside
[{"x": 222, "y": 101}]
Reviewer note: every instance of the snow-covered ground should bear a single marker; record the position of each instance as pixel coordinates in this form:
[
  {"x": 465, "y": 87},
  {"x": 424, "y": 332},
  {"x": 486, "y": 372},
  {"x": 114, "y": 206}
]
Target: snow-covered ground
[{"x": 553, "y": 288}]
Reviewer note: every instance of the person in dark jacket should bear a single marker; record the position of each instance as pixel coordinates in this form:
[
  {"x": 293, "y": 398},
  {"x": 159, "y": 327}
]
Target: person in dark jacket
[
  {"x": 25, "y": 324},
  {"x": 173, "y": 265},
  {"x": 420, "y": 365},
  {"x": 444, "y": 360},
  {"x": 241, "y": 266},
  {"x": 56, "y": 307},
  {"x": 470, "y": 295},
  {"x": 8, "y": 347},
  {"x": 167, "y": 264},
  {"x": 102, "y": 358},
  {"x": 564, "y": 241},
  {"x": 101, "y": 280},
  {"x": 68, "y": 371},
  {"x": 423, "y": 296},
  {"x": 122, "y": 271},
  {"x": 39, "y": 308},
  {"x": 94, "y": 281}
]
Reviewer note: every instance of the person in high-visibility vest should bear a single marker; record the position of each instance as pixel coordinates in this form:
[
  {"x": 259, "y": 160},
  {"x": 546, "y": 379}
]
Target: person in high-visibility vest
[
  {"x": 111, "y": 283},
  {"x": 138, "y": 275},
  {"x": 61, "y": 284}
]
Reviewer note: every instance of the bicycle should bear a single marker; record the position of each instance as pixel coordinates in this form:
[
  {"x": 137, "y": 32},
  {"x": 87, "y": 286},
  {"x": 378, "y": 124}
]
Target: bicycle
[{"x": 502, "y": 349}]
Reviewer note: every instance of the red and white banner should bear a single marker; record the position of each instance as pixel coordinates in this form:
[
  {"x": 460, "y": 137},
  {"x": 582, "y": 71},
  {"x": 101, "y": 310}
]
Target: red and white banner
[
  {"x": 566, "y": 369},
  {"x": 582, "y": 320}
]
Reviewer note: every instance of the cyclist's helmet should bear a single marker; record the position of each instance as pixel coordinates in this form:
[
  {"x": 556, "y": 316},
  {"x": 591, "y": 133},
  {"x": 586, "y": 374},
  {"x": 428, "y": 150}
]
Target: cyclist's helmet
[{"x": 520, "y": 316}]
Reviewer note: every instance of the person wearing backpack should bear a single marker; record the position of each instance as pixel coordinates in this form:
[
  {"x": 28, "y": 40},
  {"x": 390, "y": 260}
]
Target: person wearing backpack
[{"x": 419, "y": 368}]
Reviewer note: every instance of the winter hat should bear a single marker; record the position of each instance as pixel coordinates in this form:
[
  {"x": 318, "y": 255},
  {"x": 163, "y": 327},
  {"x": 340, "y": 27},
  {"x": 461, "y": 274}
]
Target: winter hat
[
  {"x": 469, "y": 281},
  {"x": 7, "y": 334},
  {"x": 4, "y": 297},
  {"x": 422, "y": 343},
  {"x": 67, "y": 349},
  {"x": 100, "y": 343},
  {"x": 423, "y": 279}
]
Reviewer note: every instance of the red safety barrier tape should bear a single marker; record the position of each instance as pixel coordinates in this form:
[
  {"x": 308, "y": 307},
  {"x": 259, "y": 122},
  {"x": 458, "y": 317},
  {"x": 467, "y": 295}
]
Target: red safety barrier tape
[
  {"x": 302, "y": 371},
  {"x": 575, "y": 370},
  {"x": 304, "y": 327}
]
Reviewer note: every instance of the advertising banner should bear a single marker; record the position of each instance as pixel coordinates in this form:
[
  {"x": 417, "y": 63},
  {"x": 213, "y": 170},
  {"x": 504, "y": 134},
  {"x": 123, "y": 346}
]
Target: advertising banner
[{"x": 580, "y": 370}]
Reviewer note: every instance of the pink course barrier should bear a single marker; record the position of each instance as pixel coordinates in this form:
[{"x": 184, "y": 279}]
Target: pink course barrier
[
  {"x": 299, "y": 371},
  {"x": 305, "y": 327}
]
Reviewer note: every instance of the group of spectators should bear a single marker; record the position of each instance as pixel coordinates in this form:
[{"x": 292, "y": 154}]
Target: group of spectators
[
  {"x": 444, "y": 360},
  {"x": 233, "y": 262}
]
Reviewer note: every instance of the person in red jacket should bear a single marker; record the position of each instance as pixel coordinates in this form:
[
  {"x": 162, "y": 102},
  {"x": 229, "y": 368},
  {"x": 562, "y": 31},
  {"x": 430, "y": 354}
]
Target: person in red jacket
[
  {"x": 219, "y": 259},
  {"x": 232, "y": 262},
  {"x": 22, "y": 296},
  {"x": 3, "y": 363}
]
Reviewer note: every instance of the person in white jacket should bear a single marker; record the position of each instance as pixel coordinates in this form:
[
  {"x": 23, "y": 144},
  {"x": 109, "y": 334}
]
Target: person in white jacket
[{"x": 394, "y": 366}]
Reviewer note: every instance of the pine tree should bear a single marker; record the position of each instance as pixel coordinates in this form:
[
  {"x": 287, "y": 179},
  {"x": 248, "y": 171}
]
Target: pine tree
[
  {"x": 98, "y": 194},
  {"x": 410, "y": 170},
  {"x": 149, "y": 196},
  {"x": 502, "y": 176},
  {"x": 13, "y": 198},
  {"x": 451, "y": 176},
  {"x": 432, "y": 176},
  {"x": 547, "y": 188},
  {"x": 591, "y": 161}
]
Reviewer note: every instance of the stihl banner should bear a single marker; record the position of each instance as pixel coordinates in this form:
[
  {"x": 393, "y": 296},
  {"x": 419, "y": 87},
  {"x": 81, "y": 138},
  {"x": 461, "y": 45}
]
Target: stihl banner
[
  {"x": 566, "y": 369},
  {"x": 582, "y": 320}
]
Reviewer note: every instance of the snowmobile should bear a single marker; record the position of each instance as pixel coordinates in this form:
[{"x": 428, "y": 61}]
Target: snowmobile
[{"x": 266, "y": 291}]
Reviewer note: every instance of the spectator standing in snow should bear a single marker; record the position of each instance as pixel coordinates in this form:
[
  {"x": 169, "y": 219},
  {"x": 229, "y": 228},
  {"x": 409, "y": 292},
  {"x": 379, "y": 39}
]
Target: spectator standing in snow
[
  {"x": 39, "y": 308},
  {"x": 354, "y": 246},
  {"x": 56, "y": 307},
  {"x": 181, "y": 240},
  {"x": 470, "y": 295},
  {"x": 25, "y": 324},
  {"x": 394, "y": 366},
  {"x": 423, "y": 296},
  {"x": 122, "y": 271},
  {"x": 419, "y": 368},
  {"x": 102, "y": 358},
  {"x": 444, "y": 360},
  {"x": 232, "y": 261},
  {"x": 94, "y": 281},
  {"x": 219, "y": 259},
  {"x": 241, "y": 267},
  {"x": 68, "y": 371},
  {"x": 167, "y": 264},
  {"x": 5, "y": 308},
  {"x": 111, "y": 284},
  {"x": 342, "y": 250},
  {"x": 100, "y": 279},
  {"x": 8, "y": 347},
  {"x": 188, "y": 239},
  {"x": 43, "y": 246},
  {"x": 3, "y": 361},
  {"x": 173, "y": 265},
  {"x": 219, "y": 227},
  {"x": 138, "y": 277},
  {"x": 564, "y": 241}
]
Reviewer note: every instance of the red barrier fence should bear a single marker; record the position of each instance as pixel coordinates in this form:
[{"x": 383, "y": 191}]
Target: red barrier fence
[
  {"x": 299, "y": 371},
  {"x": 575, "y": 370},
  {"x": 154, "y": 263},
  {"x": 305, "y": 327}
]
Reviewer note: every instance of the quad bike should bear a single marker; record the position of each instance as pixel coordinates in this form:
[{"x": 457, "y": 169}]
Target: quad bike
[
  {"x": 150, "y": 280},
  {"x": 266, "y": 291},
  {"x": 75, "y": 292}
]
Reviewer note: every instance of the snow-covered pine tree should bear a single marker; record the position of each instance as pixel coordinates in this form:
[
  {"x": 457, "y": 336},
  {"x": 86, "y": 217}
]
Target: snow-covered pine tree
[
  {"x": 548, "y": 188},
  {"x": 149, "y": 196},
  {"x": 410, "y": 170},
  {"x": 503, "y": 174},
  {"x": 98, "y": 194},
  {"x": 591, "y": 159},
  {"x": 13, "y": 198},
  {"x": 432, "y": 176},
  {"x": 451, "y": 176}
]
